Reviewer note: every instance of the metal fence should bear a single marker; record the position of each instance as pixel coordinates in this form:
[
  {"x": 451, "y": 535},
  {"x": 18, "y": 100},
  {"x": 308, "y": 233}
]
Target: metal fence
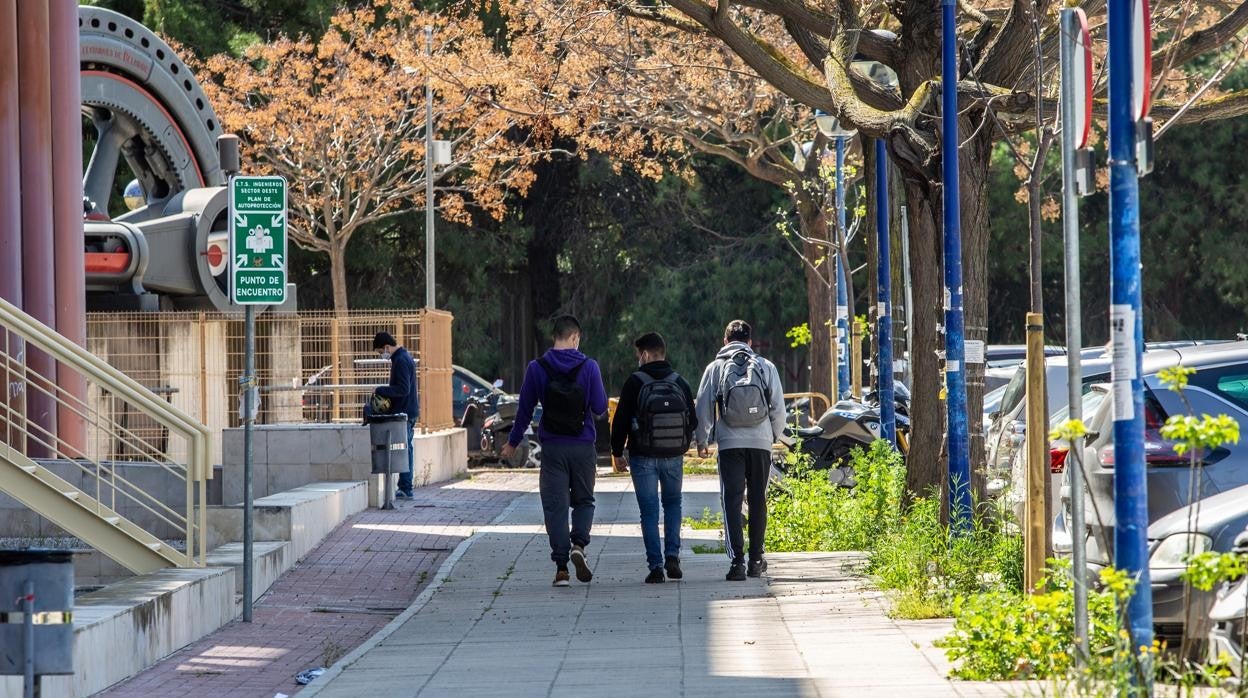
[{"x": 310, "y": 366}]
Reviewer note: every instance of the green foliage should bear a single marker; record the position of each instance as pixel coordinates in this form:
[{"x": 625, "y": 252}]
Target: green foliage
[
  {"x": 1208, "y": 569},
  {"x": 807, "y": 512},
  {"x": 705, "y": 549},
  {"x": 910, "y": 551},
  {"x": 799, "y": 334},
  {"x": 922, "y": 560},
  {"x": 1004, "y": 635},
  {"x": 1068, "y": 431},
  {"x": 707, "y": 522},
  {"x": 1190, "y": 433},
  {"x": 1175, "y": 377}
]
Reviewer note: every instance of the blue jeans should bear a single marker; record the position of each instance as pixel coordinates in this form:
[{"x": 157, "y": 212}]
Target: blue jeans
[
  {"x": 405, "y": 479},
  {"x": 649, "y": 476}
]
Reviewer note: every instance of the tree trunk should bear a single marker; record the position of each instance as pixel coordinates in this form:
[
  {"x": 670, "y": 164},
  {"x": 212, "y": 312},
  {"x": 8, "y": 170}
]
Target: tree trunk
[
  {"x": 976, "y": 234},
  {"x": 338, "y": 277},
  {"x": 821, "y": 314},
  {"x": 924, "y": 467}
]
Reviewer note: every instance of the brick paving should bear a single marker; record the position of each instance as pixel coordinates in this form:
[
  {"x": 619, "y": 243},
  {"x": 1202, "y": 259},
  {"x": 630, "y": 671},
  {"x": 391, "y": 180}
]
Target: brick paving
[{"x": 362, "y": 575}]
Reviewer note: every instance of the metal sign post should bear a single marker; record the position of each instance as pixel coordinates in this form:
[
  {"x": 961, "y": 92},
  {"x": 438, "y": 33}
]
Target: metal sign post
[
  {"x": 257, "y": 277},
  {"x": 842, "y": 294},
  {"x": 1126, "y": 325},
  {"x": 884, "y": 309},
  {"x": 1076, "y": 106},
  {"x": 955, "y": 376}
]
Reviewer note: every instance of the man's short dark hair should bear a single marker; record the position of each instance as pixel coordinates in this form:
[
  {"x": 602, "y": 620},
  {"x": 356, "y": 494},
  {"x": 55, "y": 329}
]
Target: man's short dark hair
[
  {"x": 384, "y": 339},
  {"x": 651, "y": 342},
  {"x": 737, "y": 331},
  {"x": 565, "y": 326}
]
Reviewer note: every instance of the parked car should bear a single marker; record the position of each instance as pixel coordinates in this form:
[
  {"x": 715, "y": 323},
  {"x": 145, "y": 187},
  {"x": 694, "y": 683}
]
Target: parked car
[
  {"x": 1227, "y": 638},
  {"x": 1005, "y": 433},
  {"x": 1219, "y": 386},
  {"x": 1212, "y": 524},
  {"x": 368, "y": 374}
]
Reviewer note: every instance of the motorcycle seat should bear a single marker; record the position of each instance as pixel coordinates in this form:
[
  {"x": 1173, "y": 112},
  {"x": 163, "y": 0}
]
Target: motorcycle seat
[{"x": 804, "y": 433}]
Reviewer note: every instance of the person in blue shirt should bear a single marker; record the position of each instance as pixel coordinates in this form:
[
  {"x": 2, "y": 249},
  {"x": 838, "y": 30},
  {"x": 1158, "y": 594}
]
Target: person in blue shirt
[
  {"x": 569, "y": 386},
  {"x": 403, "y": 397}
]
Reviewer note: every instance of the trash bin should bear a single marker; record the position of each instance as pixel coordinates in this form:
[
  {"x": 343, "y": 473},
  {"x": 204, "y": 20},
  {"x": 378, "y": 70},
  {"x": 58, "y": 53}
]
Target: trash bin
[
  {"x": 388, "y": 437},
  {"x": 36, "y": 613}
]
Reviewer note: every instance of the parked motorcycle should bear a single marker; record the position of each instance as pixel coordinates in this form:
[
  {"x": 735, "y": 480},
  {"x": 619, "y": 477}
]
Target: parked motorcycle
[
  {"x": 496, "y": 429},
  {"x": 849, "y": 424}
]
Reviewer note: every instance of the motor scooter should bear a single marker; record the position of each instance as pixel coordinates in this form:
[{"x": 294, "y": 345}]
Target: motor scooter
[{"x": 849, "y": 424}]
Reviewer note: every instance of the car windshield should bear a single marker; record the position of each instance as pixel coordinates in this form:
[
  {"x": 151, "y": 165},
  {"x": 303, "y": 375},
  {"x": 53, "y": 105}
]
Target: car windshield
[
  {"x": 992, "y": 400},
  {"x": 1093, "y": 396},
  {"x": 1014, "y": 391}
]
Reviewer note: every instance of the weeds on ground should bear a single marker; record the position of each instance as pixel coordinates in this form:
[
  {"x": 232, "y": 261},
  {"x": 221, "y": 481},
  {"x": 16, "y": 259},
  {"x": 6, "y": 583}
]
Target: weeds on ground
[
  {"x": 910, "y": 551},
  {"x": 807, "y": 512},
  {"x": 701, "y": 466},
  {"x": 707, "y": 522},
  {"x": 707, "y": 549}
]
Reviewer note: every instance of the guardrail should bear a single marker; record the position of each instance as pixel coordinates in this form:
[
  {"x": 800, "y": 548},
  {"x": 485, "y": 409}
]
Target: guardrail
[{"x": 98, "y": 439}]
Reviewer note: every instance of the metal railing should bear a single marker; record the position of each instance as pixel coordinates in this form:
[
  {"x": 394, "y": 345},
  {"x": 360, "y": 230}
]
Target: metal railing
[
  {"x": 313, "y": 366},
  {"x": 109, "y": 437}
]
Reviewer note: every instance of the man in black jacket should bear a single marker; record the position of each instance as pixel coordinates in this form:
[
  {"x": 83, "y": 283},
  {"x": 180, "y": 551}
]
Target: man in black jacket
[
  {"x": 403, "y": 397},
  {"x": 656, "y": 419}
]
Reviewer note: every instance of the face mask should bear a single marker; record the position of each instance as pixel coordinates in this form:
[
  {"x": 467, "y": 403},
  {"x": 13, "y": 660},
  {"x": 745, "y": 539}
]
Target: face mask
[{"x": 386, "y": 355}]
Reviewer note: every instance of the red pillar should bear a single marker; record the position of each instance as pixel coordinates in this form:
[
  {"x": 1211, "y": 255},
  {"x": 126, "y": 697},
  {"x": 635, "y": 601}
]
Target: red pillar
[
  {"x": 70, "y": 275},
  {"x": 11, "y": 405},
  {"x": 38, "y": 287}
]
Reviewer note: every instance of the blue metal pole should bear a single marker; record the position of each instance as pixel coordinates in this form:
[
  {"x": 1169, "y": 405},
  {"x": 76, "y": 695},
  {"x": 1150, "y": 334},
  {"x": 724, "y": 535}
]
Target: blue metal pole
[
  {"x": 842, "y": 297},
  {"x": 955, "y": 376},
  {"x": 1126, "y": 330},
  {"x": 884, "y": 308}
]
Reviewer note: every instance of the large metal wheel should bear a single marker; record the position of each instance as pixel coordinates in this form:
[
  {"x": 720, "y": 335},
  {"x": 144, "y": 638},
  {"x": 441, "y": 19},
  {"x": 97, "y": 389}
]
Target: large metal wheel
[{"x": 148, "y": 110}]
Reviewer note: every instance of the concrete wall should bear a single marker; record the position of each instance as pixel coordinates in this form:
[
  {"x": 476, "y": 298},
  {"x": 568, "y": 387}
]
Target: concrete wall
[
  {"x": 286, "y": 456},
  {"x": 17, "y": 520},
  {"x": 121, "y": 630}
]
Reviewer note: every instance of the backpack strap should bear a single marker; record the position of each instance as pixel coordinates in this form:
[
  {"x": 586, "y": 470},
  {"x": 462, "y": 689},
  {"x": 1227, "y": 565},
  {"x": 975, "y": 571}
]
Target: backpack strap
[{"x": 644, "y": 377}]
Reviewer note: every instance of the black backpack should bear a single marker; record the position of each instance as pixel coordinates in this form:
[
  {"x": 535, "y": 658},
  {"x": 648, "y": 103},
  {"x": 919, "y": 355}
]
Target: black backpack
[
  {"x": 661, "y": 425},
  {"x": 563, "y": 403}
]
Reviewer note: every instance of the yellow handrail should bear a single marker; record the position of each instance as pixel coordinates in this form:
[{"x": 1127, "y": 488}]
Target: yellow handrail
[{"x": 196, "y": 435}]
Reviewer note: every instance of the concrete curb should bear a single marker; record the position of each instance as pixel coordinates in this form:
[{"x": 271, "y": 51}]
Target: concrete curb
[{"x": 443, "y": 572}]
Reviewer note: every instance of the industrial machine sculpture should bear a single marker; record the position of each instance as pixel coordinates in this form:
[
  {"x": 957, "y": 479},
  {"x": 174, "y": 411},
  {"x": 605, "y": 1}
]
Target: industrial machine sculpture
[{"x": 166, "y": 248}]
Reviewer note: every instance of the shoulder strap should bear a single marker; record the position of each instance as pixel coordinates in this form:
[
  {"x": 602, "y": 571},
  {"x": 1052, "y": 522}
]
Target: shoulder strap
[
  {"x": 644, "y": 377},
  {"x": 550, "y": 370},
  {"x": 577, "y": 369}
]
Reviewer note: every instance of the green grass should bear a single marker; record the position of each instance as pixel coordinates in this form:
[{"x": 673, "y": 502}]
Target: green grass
[
  {"x": 704, "y": 549},
  {"x": 707, "y": 522}
]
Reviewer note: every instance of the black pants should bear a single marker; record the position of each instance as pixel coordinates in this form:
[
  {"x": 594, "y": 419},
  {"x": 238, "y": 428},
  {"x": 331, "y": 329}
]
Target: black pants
[
  {"x": 567, "y": 480},
  {"x": 741, "y": 469}
]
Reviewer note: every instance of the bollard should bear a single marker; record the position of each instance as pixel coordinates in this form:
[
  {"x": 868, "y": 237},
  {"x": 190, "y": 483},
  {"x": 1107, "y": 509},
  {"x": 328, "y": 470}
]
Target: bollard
[
  {"x": 1036, "y": 530},
  {"x": 36, "y": 615}
]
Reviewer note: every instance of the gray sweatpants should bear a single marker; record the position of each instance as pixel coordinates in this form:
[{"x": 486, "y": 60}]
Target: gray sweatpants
[{"x": 567, "y": 480}]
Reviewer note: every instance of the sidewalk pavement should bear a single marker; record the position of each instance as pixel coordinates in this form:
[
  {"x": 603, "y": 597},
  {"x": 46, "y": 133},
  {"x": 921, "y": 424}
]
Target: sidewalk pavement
[
  {"x": 494, "y": 626},
  {"x": 360, "y": 577}
]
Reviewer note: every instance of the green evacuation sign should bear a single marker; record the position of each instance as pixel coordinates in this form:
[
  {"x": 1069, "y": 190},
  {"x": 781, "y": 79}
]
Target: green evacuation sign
[{"x": 257, "y": 240}]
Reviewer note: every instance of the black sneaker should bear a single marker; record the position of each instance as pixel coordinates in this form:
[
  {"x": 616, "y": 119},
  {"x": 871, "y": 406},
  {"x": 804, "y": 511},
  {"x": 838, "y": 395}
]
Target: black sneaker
[
  {"x": 757, "y": 567},
  {"x": 736, "y": 573},
  {"x": 583, "y": 573},
  {"x": 655, "y": 576},
  {"x": 673, "y": 568}
]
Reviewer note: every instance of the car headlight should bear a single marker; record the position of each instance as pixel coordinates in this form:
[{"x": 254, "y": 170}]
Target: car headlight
[{"x": 1172, "y": 550}]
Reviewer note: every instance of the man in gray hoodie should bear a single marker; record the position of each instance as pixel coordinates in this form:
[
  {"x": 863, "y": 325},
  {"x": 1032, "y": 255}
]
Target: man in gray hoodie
[{"x": 740, "y": 407}]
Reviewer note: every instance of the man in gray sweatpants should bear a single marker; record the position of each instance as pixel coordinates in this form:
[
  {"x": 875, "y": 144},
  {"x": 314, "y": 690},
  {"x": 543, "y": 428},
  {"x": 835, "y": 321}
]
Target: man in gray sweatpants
[{"x": 740, "y": 407}]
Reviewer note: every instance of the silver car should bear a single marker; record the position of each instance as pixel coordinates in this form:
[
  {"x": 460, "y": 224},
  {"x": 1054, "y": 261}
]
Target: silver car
[{"x": 1220, "y": 386}]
